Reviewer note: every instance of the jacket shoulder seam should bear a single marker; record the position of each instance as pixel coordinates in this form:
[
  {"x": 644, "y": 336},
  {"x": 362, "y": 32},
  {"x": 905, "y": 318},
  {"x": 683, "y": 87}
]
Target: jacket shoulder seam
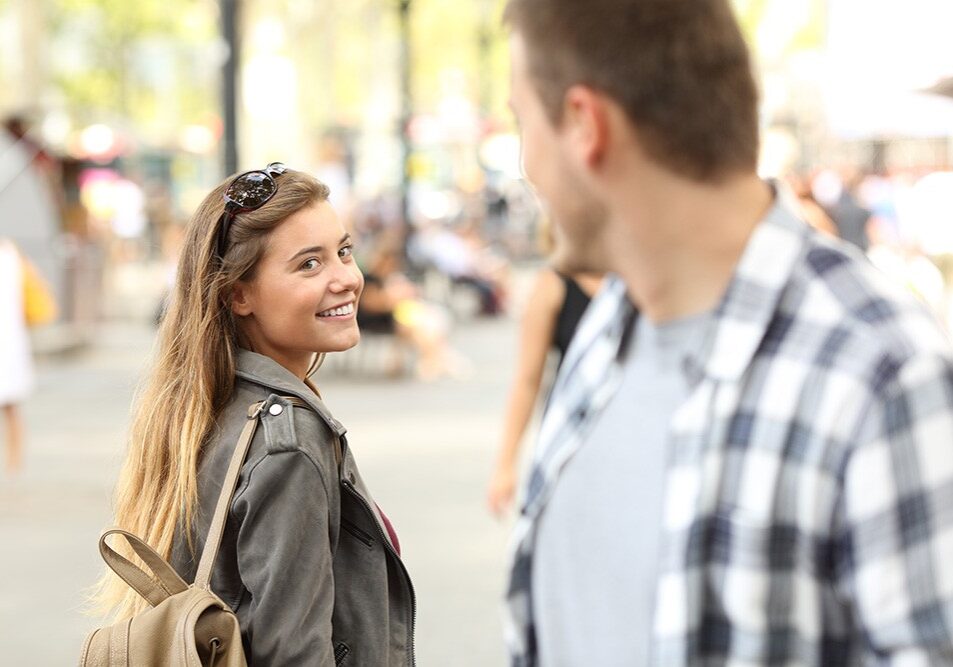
[{"x": 298, "y": 450}]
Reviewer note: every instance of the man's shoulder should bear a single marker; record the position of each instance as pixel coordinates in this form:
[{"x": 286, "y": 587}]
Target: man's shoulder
[
  {"x": 858, "y": 312},
  {"x": 865, "y": 300}
]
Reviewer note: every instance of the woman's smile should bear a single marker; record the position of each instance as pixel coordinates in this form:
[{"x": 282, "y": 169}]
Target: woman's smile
[{"x": 341, "y": 312}]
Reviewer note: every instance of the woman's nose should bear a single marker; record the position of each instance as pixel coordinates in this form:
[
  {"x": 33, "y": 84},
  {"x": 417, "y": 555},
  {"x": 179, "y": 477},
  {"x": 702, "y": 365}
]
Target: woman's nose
[{"x": 347, "y": 278}]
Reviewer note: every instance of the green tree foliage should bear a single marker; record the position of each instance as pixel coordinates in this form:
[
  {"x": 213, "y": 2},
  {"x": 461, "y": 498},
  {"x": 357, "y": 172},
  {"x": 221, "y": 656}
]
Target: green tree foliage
[
  {"x": 139, "y": 61},
  {"x": 809, "y": 34},
  {"x": 347, "y": 51}
]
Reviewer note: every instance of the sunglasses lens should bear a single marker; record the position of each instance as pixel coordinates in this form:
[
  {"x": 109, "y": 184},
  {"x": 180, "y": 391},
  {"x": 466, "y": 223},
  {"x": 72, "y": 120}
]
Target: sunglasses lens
[
  {"x": 251, "y": 190},
  {"x": 247, "y": 192}
]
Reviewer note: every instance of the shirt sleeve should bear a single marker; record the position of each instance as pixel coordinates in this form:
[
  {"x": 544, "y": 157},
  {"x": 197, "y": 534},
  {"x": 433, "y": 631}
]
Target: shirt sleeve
[
  {"x": 285, "y": 562},
  {"x": 896, "y": 548}
]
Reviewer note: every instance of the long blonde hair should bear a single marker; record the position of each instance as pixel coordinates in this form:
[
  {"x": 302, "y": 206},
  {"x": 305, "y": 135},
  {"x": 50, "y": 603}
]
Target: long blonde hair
[{"x": 192, "y": 377}]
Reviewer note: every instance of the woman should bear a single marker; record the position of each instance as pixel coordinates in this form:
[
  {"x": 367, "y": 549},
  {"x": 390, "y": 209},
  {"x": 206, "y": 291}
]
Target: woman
[
  {"x": 265, "y": 285},
  {"x": 16, "y": 364},
  {"x": 556, "y": 304}
]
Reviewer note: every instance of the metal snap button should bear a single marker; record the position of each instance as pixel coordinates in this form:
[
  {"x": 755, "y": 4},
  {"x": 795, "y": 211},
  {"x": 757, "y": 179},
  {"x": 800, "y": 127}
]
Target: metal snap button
[{"x": 275, "y": 409}]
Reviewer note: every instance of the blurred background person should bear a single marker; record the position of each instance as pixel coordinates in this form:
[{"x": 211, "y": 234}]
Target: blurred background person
[
  {"x": 836, "y": 193},
  {"x": 392, "y": 305},
  {"x": 464, "y": 258},
  {"x": 553, "y": 309},
  {"x": 812, "y": 212},
  {"x": 16, "y": 364}
]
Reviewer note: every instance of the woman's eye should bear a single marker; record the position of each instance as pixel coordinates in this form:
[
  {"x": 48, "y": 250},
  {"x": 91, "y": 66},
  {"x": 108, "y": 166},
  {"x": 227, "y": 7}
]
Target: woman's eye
[
  {"x": 311, "y": 265},
  {"x": 346, "y": 251}
]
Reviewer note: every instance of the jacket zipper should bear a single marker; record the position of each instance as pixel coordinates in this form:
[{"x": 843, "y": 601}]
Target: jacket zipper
[
  {"x": 341, "y": 651},
  {"x": 386, "y": 542},
  {"x": 384, "y": 539}
]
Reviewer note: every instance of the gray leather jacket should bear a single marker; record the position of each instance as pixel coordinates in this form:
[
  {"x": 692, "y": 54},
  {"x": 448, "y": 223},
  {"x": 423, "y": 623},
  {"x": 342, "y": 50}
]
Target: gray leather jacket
[{"x": 306, "y": 561}]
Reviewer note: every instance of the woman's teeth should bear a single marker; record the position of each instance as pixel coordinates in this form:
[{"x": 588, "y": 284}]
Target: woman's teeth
[{"x": 342, "y": 310}]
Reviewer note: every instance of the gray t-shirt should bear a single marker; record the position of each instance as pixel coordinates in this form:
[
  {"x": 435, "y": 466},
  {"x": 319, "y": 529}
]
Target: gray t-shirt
[{"x": 595, "y": 561}]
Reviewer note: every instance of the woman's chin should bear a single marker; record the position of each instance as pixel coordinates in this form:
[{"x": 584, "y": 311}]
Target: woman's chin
[{"x": 342, "y": 343}]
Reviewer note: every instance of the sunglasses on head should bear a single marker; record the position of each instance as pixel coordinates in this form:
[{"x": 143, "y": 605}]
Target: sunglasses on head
[{"x": 247, "y": 192}]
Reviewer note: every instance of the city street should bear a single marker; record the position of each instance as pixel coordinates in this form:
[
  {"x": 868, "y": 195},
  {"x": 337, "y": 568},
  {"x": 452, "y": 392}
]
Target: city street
[{"x": 425, "y": 450}]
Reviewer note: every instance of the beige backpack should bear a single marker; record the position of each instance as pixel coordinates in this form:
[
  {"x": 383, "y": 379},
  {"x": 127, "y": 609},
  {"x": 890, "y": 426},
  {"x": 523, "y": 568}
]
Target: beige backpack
[{"x": 186, "y": 626}]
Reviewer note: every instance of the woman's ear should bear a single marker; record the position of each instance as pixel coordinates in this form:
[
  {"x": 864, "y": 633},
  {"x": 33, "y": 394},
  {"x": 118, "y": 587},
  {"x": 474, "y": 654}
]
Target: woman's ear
[{"x": 241, "y": 299}]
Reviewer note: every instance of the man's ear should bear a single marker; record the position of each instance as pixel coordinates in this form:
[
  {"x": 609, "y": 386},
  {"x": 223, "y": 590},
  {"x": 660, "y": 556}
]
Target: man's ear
[
  {"x": 241, "y": 299},
  {"x": 585, "y": 119}
]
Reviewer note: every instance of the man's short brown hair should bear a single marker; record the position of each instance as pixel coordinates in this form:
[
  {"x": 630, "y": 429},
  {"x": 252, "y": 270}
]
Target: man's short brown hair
[{"x": 680, "y": 69}]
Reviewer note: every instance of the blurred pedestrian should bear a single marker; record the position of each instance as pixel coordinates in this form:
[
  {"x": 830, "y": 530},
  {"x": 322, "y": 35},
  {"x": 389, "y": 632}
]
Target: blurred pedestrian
[
  {"x": 555, "y": 305},
  {"x": 16, "y": 364},
  {"x": 836, "y": 194},
  {"x": 392, "y": 305},
  {"x": 310, "y": 565},
  {"x": 460, "y": 255},
  {"x": 810, "y": 210},
  {"x": 757, "y": 469}
]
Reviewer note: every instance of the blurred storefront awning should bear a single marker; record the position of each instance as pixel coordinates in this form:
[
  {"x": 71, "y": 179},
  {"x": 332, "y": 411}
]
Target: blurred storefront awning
[
  {"x": 880, "y": 60},
  {"x": 856, "y": 114},
  {"x": 942, "y": 87}
]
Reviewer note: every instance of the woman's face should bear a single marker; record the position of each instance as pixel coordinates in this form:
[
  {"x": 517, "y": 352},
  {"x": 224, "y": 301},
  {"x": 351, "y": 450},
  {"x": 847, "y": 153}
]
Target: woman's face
[{"x": 303, "y": 298}]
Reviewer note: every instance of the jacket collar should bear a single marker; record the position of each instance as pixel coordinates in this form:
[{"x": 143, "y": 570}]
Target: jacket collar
[
  {"x": 268, "y": 373},
  {"x": 746, "y": 310}
]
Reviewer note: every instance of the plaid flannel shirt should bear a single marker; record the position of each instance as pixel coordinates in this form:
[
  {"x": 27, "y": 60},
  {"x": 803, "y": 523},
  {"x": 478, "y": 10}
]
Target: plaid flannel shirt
[{"x": 808, "y": 510}]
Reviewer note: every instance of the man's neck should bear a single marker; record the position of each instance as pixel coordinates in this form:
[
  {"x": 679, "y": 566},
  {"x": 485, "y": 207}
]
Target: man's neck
[{"x": 676, "y": 243}]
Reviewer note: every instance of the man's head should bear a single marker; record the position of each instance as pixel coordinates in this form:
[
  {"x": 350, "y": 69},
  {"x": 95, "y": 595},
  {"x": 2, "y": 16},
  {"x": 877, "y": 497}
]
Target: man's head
[{"x": 677, "y": 72}]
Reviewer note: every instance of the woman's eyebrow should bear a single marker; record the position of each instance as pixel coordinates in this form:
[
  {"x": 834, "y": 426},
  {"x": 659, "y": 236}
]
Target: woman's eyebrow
[{"x": 317, "y": 249}]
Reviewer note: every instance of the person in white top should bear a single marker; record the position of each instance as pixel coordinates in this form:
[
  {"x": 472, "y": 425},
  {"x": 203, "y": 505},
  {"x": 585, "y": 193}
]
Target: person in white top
[{"x": 16, "y": 364}]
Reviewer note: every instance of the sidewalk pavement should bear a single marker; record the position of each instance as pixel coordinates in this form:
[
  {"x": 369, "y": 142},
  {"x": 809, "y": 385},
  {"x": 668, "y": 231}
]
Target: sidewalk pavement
[{"x": 425, "y": 450}]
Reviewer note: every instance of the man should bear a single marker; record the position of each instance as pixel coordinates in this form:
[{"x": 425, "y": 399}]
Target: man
[{"x": 758, "y": 470}]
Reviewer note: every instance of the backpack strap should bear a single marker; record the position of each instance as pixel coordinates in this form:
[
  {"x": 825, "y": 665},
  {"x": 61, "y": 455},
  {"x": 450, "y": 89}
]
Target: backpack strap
[
  {"x": 166, "y": 580},
  {"x": 203, "y": 574}
]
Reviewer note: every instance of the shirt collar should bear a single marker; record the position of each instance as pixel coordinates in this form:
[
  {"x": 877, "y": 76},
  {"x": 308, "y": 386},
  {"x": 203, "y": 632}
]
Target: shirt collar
[
  {"x": 741, "y": 319},
  {"x": 604, "y": 318},
  {"x": 745, "y": 312},
  {"x": 269, "y": 373}
]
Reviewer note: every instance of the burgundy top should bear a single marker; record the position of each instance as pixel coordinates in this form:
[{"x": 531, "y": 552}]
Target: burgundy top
[{"x": 390, "y": 530}]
